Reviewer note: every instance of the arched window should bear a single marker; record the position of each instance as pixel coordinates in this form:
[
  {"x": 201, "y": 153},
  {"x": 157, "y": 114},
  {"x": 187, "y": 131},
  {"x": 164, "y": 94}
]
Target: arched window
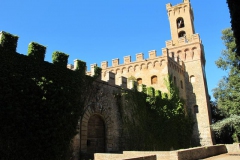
[
  {"x": 181, "y": 83},
  {"x": 139, "y": 81},
  {"x": 174, "y": 80},
  {"x": 154, "y": 80},
  {"x": 192, "y": 79},
  {"x": 180, "y": 22},
  {"x": 181, "y": 34}
]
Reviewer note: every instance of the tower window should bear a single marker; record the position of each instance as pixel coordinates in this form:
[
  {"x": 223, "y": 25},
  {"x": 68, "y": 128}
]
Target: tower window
[
  {"x": 181, "y": 34},
  {"x": 192, "y": 79},
  {"x": 195, "y": 109},
  {"x": 181, "y": 83},
  {"x": 180, "y": 22},
  {"x": 139, "y": 81},
  {"x": 174, "y": 80},
  {"x": 154, "y": 79}
]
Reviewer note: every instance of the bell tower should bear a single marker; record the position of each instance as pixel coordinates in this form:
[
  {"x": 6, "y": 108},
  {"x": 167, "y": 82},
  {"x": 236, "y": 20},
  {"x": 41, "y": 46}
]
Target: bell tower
[
  {"x": 187, "y": 47},
  {"x": 181, "y": 21}
]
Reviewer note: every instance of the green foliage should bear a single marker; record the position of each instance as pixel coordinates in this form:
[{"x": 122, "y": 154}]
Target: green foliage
[
  {"x": 132, "y": 78},
  {"x": 215, "y": 112},
  {"x": 162, "y": 118},
  {"x": 144, "y": 88},
  {"x": 80, "y": 67},
  {"x": 227, "y": 94},
  {"x": 97, "y": 71},
  {"x": 232, "y": 122},
  {"x": 40, "y": 105},
  {"x": 36, "y": 51},
  {"x": 60, "y": 58},
  {"x": 233, "y": 6},
  {"x": 150, "y": 91},
  {"x": 8, "y": 42}
]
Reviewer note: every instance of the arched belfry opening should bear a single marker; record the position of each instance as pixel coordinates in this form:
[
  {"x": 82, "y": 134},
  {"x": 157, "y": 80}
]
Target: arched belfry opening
[
  {"x": 180, "y": 22},
  {"x": 95, "y": 135},
  {"x": 181, "y": 34}
]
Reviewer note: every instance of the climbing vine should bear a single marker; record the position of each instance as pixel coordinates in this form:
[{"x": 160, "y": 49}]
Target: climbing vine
[
  {"x": 8, "y": 42},
  {"x": 153, "y": 120},
  {"x": 36, "y": 51},
  {"x": 60, "y": 58},
  {"x": 40, "y": 102}
]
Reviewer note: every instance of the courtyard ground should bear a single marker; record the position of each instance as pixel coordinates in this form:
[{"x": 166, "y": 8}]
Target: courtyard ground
[{"x": 227, "y": 156}]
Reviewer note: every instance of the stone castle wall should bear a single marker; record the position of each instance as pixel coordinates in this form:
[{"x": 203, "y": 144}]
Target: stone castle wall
[
  {"x": 145, "y": 69},
  {"x": 102, "y": 104},
  {"x": 183, "y": 58}
]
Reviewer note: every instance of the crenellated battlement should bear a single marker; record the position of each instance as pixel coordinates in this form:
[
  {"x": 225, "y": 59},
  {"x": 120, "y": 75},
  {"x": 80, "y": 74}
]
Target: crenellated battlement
[
  {"x": 179, "y": 8},
  {"x": 152, "y": 60},
  {"x": 186, "y": 49},
  {"x": 127, "y": 59},
  {"x": 8, "y": 45},
  {"x": 195, "y": 38},
  {"x": 117, "y": 73},
  {"x": 114, "y": 75}
]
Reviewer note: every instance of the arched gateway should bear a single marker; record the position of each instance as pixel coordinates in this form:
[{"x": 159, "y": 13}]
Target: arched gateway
[{"x": 96, "y": 135}]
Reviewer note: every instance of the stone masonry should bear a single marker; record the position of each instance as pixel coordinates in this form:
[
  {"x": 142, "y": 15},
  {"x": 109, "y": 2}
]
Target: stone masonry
[{"x": 183, "y": 58}]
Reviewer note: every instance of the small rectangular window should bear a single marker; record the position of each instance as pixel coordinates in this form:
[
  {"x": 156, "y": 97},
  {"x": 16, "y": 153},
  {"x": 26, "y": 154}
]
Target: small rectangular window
[{"x": 195, "y": 109}]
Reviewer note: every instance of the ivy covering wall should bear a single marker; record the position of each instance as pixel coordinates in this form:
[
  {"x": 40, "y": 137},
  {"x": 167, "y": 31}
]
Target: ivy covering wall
[
  {"x": 153, "y": 120},
  {"x": 40, "y": 102}
]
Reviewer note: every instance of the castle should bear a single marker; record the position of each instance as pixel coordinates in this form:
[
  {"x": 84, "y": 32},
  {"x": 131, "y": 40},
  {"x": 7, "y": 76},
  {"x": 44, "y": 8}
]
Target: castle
[
  {"x": 99, "y": 128},
  {"x": 183, "y": 58}
]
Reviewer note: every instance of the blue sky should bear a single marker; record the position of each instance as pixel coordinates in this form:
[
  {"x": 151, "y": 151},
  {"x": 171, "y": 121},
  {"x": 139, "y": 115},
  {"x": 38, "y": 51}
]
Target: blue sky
[{"x": 101, "y": 30}]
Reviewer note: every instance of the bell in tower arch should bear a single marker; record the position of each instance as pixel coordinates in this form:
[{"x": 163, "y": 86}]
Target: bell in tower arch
[{"x": 180, "y": 22}]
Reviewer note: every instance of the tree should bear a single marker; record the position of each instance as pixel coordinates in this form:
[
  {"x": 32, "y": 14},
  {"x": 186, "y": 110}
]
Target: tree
[
  {"x": 223, "y": 131},
  {"x": 215, "y": 112},
  {"x": 226, "y": 128},
  {"x": 233, "y": 6},
  {"x": 227, "y": 94}
]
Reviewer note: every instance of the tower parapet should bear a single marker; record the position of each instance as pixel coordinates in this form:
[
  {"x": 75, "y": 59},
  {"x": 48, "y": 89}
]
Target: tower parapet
[{"x": 195, "y": 38}]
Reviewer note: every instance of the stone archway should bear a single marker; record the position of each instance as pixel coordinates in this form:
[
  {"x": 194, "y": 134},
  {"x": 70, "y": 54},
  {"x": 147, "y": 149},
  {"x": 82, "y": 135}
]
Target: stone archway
[{"x": 96, "y": 135}]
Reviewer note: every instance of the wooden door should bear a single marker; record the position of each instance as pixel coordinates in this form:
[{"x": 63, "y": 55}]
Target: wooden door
[{"x": 96, "y": 135}]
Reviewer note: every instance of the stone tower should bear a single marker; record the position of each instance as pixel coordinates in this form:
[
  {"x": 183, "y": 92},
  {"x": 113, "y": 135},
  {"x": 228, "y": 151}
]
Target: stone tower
[{"x": 187, "y": 46}]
